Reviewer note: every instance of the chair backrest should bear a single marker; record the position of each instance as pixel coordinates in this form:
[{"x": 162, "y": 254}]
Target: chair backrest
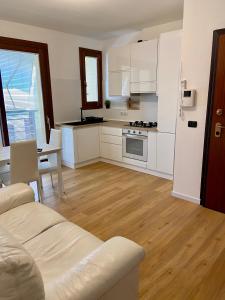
[
  {"x": 23, "y": 162},
  {"x": 56, "y": 141},
  {"x": 56, "y": 138}
]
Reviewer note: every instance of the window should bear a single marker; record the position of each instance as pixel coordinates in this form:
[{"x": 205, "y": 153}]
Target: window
[
  {"x": 91, "y": 78},
  {"x": 25, "y": 91}
]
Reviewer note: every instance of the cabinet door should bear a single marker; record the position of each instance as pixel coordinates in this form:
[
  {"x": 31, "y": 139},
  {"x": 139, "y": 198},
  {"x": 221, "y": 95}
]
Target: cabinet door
[
  {"x": 119, "y": 59},
  {"x": 165, "y": 152},
  {"x": 68, "y": 150},
  {"x": 111, "y": 151},
  {"x": 111, "y": 130},
  {"x": 144, "y": 61},
  {"x": 168, "y": 80},
  {"x": 152, "y": 140},
  {"x": 143, "y": 87},
  {"x": 111, "y": 139},
  {"x": 87, "y": 143},
  {"x": 119, "y": 83}
]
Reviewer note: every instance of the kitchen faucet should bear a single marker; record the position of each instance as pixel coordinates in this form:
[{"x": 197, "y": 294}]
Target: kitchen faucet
[{"x": 81, "y": 115}]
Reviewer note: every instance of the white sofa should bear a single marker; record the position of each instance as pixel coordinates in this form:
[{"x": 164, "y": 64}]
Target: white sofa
[{"x": 43, "y": 256}]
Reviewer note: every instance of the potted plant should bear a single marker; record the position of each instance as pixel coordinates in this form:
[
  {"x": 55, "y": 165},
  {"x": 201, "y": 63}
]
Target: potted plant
[{"x": 107, "y": 103}]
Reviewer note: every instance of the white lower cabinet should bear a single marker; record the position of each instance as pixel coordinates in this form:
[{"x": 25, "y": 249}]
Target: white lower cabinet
[
  {"x": 87, "y": 143},
  {"x": 111, "y": 151},
  {"x": 165, "y": 152},
  {"x": 111, "y": 143},
  {"x": 152, "y": 143},
  {"x": 111, "y": 139},
  {"x": 113, "y": 131},
  {"x": 69, "y": 152},
  {"x": 79, "y": 145}
]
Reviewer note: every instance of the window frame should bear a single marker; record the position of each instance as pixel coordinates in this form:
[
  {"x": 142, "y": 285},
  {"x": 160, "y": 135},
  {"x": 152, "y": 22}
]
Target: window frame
[
  {"x": 83, "y": 52},
  {"x": 41, "y": 49}
]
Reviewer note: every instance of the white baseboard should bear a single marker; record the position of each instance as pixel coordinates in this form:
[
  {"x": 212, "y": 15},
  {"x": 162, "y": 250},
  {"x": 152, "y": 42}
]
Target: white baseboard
[
  {"x": 76, "y": 166},
  {"x": 185, "y": 197},
  {"x": 67, "y": 164},
  {"x": 120, "y": 164},
  {"x": 86, "y": 163},
  {"x": 134, "y": 162},
  {"x": 139, "y": 169}
]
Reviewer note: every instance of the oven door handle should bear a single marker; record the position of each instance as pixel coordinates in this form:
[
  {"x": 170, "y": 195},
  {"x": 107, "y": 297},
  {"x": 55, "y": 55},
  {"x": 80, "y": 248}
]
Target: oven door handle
[{"x": 136, "y": 137}]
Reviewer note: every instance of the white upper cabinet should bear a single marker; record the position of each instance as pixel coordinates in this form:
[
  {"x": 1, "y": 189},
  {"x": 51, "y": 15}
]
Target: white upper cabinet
[
  {"x": 119, "y": 59},
  {"x": 133, "y": 68},
  {"x": 119, "y": 71},
  {"x": 168, "y": 80},
  {"x": 119, "y": 83},
  {"x": 144, "y": 58}
]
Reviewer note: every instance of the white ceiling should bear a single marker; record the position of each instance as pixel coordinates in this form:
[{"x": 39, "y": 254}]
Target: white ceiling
[{"x": 94, "y": 18}]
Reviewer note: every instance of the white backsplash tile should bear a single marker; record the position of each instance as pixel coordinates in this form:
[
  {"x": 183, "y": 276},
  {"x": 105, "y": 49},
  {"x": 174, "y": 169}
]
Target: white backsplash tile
[{"x": 118, "y": 111}]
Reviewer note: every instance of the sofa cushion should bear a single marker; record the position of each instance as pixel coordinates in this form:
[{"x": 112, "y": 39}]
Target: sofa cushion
[
  {"x": 57, "y": 251},
  {"x": 19, "y": 275},
  {"x": 27, "y": 221}
]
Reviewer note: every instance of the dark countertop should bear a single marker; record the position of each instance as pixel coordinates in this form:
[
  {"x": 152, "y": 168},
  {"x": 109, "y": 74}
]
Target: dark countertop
[{"x": 108, "y": 123}]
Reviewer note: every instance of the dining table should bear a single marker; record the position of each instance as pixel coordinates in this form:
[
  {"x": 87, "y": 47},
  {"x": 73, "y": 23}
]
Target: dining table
[{"x": 42, "y": 150}]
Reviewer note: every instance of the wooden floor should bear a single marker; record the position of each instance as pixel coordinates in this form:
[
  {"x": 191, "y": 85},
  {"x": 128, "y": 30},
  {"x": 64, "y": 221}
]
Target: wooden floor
[{"x": 184, "y": 242}]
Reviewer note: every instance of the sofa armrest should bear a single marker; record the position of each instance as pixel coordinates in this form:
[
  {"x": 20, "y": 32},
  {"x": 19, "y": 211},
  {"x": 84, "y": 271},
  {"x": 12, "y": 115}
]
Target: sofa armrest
[
  {"x": 101, "y": 270},
  {"x": 15, "y": 195}
]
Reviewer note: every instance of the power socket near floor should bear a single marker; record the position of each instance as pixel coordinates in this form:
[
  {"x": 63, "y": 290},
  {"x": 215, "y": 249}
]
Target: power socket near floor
[{"x": 124, "y": 113}]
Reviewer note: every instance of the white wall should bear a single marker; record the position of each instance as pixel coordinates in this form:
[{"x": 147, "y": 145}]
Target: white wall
[
  {"x": 148, "y": 104},
  {"x": 201, "y": 17},
  {"x": 64, "y": 64}
]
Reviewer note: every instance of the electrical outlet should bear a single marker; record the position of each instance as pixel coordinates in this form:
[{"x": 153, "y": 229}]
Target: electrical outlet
[
  {"x": 192, "y": 124},
  {"x": 123, "y": 113}
]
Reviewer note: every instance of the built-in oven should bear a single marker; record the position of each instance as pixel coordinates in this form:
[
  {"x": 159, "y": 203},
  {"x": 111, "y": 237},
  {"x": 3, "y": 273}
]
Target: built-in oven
[{"x": 135, "y": 144}]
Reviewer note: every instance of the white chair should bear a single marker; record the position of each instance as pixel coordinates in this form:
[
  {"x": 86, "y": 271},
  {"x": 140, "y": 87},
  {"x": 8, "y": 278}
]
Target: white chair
[
  {"x": 50, "y": 166},
  {"x": 24, "y": 164}
]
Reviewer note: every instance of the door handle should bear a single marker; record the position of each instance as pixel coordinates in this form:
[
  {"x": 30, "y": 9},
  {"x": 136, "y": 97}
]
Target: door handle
[{"x": 218, "y": 129}]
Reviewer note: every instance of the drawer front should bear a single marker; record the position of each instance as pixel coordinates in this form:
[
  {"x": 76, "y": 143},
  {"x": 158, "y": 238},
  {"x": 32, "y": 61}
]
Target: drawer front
[
  {"x": 111, "y": 131},
  {"x": 111, "y": 151},
  {"x": 111, "y": 139},
  {"x": 143, "y": 87}
]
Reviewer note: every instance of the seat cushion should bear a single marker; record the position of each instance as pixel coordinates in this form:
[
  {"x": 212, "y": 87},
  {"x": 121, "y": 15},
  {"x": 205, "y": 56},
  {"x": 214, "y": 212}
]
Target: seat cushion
[
  {"x": 27, "y": 221},
  {"x": 57, "y": 251},
  {"x": 19, "y": 275}
]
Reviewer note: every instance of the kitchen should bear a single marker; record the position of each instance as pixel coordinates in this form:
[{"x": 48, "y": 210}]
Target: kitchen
[{"x": 147, "y": 73}]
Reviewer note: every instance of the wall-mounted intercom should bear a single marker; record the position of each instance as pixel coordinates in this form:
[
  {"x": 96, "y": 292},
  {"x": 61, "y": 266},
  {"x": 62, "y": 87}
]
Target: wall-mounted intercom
[{"x": 188, "y": 98}]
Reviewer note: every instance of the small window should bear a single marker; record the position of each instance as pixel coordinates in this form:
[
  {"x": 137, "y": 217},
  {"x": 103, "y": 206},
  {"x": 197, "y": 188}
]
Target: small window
[{"x": 91, "y": 78}]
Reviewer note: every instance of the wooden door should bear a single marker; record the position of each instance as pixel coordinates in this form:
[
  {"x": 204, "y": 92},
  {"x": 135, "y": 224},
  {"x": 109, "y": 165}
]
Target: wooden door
[{"x": 213, "y": 179}]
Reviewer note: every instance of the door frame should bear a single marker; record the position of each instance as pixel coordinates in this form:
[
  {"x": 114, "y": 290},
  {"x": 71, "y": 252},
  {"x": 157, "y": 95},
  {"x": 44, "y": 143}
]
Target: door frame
[
  {"x": 41, "y": 49},
  {"x": 208, "y": 127}
]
